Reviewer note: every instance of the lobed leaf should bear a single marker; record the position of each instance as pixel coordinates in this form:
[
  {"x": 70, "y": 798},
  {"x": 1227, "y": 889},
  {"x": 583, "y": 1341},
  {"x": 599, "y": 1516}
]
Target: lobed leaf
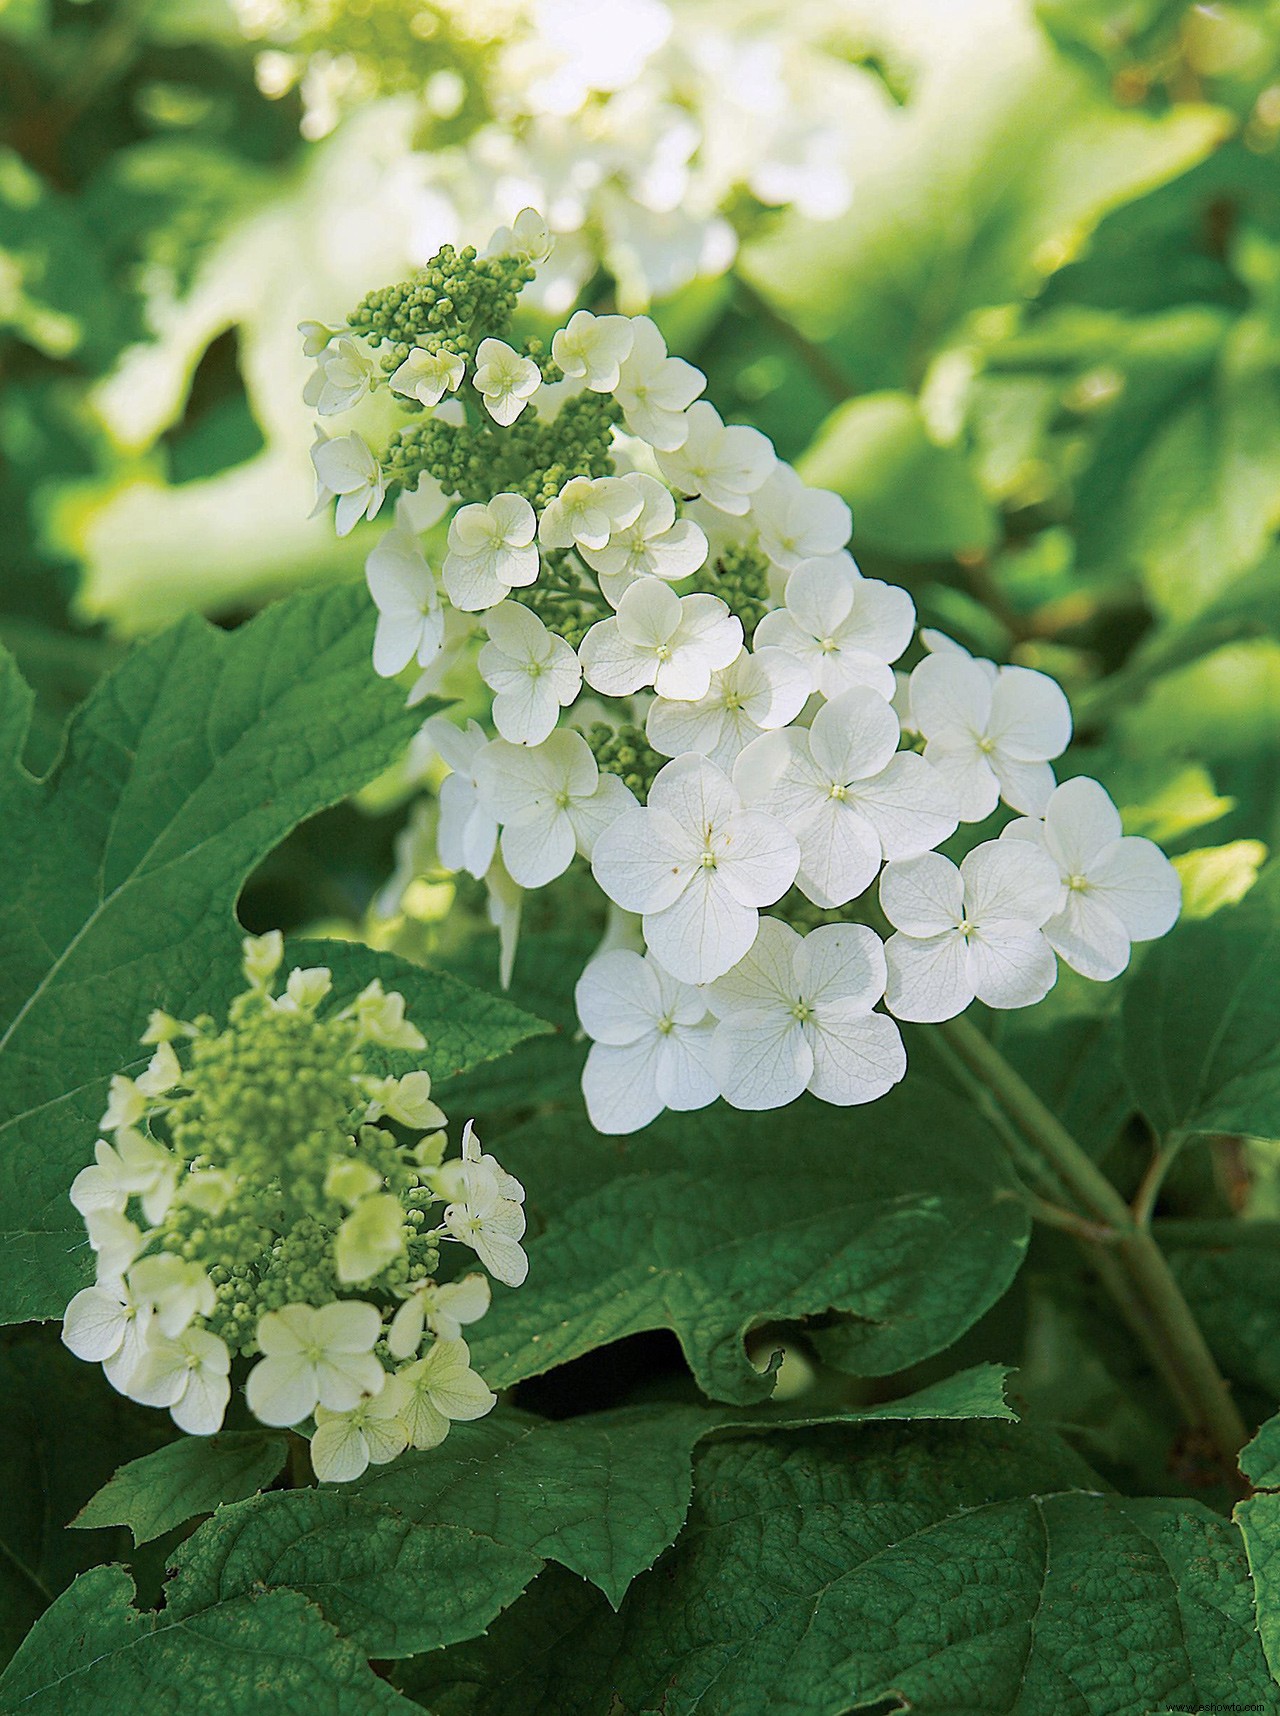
[
  {"x": 943, "y": 1570},
  {"x": 190, "y": 1476}
]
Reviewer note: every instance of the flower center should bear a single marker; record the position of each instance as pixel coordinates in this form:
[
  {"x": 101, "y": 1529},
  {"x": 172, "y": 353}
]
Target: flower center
[
  {"x": 838, "y": 791},
  {"x": 967, "y": 927},
  {"x": 563, "y": 799},
  {"x": 828, "y": 646},
  {"x": 533, "y": 669},
  {"x": 801, "y": 1011},
  {"x": 663, "y": 652},
  {"x": 986, "y": 745},
  {"x": 666, "y": 1025},
  {"x": 733, "y": 701},
  {"x": 1078, "y": 884},
  {"x": 708, "y": 859}
]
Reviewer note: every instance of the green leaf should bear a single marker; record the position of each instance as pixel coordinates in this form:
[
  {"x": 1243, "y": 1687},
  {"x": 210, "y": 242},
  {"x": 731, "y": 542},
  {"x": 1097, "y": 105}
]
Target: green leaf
[
  {"x": 62, "y": 1431},
  {"x": 941, "y": 1569},
  {"x": 1259, "y": 1522},
  {"x": 185, "y": 767},
  {"x": 1201, "y": 1021},
  {"x": 910, "y": 497},
  {"x": 191, "y": 1476},
  {"x": 984, "y": 184},
  {"x": 904, "y": 1214},
  {"x": 266, "y": 1653},
  {"x": 427, "y": 1550},
  {"x": 1260, "y": 1459}
]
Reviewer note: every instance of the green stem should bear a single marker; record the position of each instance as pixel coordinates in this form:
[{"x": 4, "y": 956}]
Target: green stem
[{"x": 1131, "y": 1267}]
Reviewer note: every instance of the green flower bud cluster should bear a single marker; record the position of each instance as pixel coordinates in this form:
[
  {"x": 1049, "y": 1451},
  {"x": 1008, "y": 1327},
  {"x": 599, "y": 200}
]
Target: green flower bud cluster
[
  {"x": 740, "y": 577},
  {"x": 564, "y": 598},
  {"x": 624, "y": 751},
  {"x": 456, "y": 301},
  {"x": 534, "y": 457}
]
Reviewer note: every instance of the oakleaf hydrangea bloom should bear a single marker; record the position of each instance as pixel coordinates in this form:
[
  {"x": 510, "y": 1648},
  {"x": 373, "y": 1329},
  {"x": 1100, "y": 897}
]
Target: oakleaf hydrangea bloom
[
  {"x": 1119, "y": 889},
  {"x": 674, "y": 643},
  {"x": 651, "y": 1042},
  {"x": 849, "y": 795},
  {"x": 752, "y": 695},
  {"x": 797, "y": 1014},
  {"x": 532, "y": 673},
  {"x": 698, "y": 865},
  {"x": 846, "y": 629},
  {"x": 971, "y": 930},
  {"x": 256, "y": 1221},
  {"x": 697, "y": 699},
  {"x": 992, "y": 731}
]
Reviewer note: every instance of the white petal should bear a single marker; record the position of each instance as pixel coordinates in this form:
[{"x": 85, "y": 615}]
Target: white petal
[
  {"x": 950, "y": 697},
  {"x": 620, "y": 1085},
  {"x": 1079, "y": 822},
  {"x": 339, "y": 1452},
  {"x": 703, "y": 933},
  {"x": 1140, "y": 885},
  {"x": 281, "y": 1391},
  {"x": 612, "y": 664},
  {"x": 644, "y": 859},
  {"x": 596, "y": 814},
  {"x": 819, "y": 596},
  {"x": 764, "y": 978},
  {"x": 686, "y": 1080},
  {"x": 617, "y": 998},
  {"x": 203, "y": 1405},
  {"x": 1030, "y": 715},
  {"x": 857, "y": 1056},
  {"x": 1010, "y": 968},
  {"x": 538, "y": 850},
  {"x": 760, "y": 858},
  {"x": 762, "y": 1059},
  {"x": 341, "y": 1378},
  {"x": 348, "y": 1326},
  {"x": 1010, "y": 881},
  {"x": 695, "y": 793},
  {"x": 909, "y": 805},
  {"x": 853, "y": 736},
  {"x": 923, "y": 896},
  {"x": 93, "y": 1325},
  {"x": 928, "y": 977},
  {"x": 839, "y": 853},
  {"x": 1023, "y": 786},
  {"x": 1089, "y": 936},
  {"x": 841, "y": 963}
]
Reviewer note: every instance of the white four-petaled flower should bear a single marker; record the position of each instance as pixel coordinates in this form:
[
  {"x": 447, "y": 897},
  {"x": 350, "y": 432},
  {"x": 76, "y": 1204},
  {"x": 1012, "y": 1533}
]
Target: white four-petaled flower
[
  {"x": 674, "y": 643},
  {"x": 724, "y": 464},
  {"x": 532, "y": 673},
  {"x": 970, "y": 931},
  {"x": 188, "y": 1373},
  {"x": 992, "y": 731},
  {"x": 442, "y": 1387},
  {"x": 410, "y": 618},
  {"x": 345, "y": 467},
  {"x": 1119, "y": 888},
  {"x": 653, "y": 542},
  {"x": 651, "y": 1042},
  {"x": 797, "y": 1014},
  {"x": 795, "y": 522},
  {"x": 752, "y": 695},
  {"x": 428, "y": 376},
  {"x": 594, "y": 348},
  {"x": 505, "y": 380},
  {"x": 314, "y": 1357},
  {"x": 847, "y": 629},
  {"x": 587, "y": 511},
  {"x": 847, "y": 793},
  {"x": 371, "y": 1432},
  {"x": 655, "y": 390},
  {"x": 341, "y": 378},
  {"x": 491, "y": 551},
  {"x": 698, "y": 865},
  {"x": 552, "y": 801}
]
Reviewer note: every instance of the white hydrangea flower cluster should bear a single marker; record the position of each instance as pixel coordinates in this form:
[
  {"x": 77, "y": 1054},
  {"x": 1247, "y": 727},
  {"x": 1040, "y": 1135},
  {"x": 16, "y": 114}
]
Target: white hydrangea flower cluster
[
  {"x": 248, "y": 1186},
  {"x": 675, "y": 571},
  {"x": 636, "y": 126}
]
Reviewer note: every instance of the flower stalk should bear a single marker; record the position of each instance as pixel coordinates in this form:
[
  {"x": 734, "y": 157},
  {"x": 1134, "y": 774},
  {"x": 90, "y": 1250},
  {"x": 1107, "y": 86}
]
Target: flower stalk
[{"x": 1130, "y": 1265}]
